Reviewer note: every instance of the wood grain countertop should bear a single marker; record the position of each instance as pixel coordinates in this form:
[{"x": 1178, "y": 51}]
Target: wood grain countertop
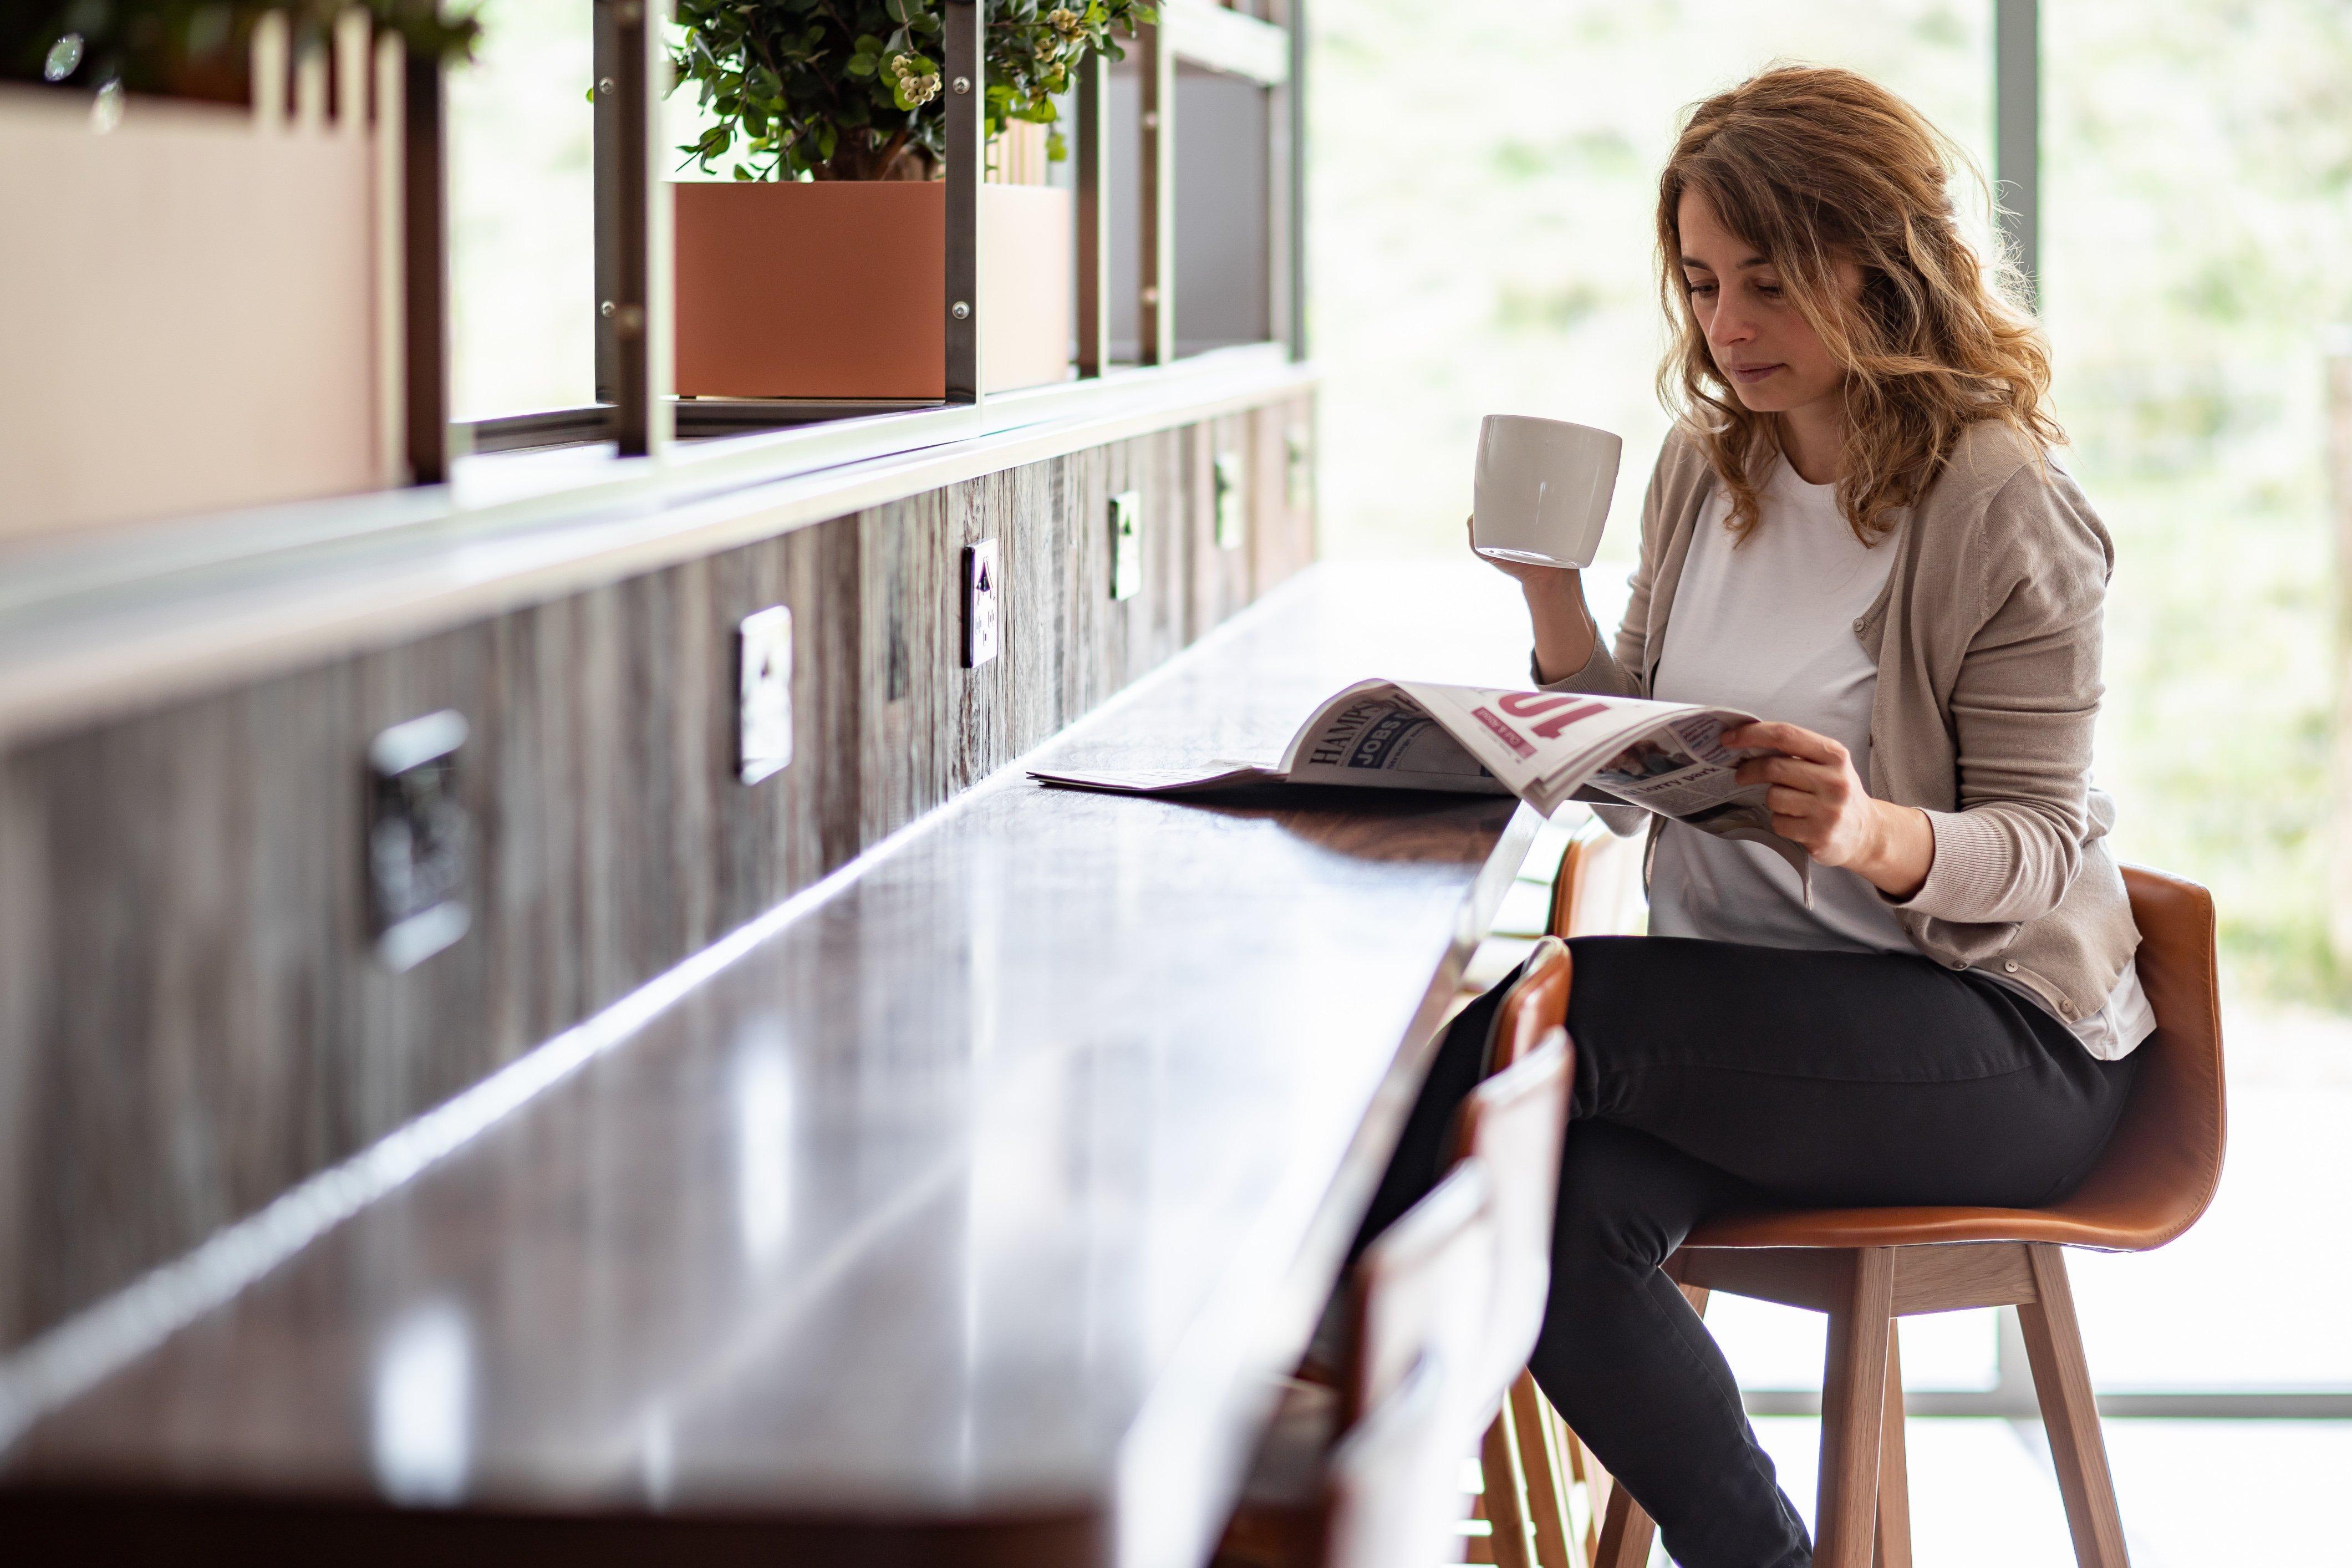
[{"x": 961, "y": 1215}]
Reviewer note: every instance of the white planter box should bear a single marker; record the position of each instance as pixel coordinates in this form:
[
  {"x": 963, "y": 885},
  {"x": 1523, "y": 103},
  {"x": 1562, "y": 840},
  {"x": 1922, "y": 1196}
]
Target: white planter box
[{"x": 200, "y": 304}]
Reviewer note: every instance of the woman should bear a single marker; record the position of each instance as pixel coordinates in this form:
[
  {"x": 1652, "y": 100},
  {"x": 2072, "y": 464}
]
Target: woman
[{"x": 1855, "y": 532}]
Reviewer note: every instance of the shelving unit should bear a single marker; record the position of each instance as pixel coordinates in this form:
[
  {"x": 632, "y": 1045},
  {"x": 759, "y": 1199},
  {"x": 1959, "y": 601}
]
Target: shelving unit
[
  {"x": 485, "y": 489},
  {"x": 1127, "y": 121}
]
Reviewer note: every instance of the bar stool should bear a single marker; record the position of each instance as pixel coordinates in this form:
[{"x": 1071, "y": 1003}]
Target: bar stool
[
  {"x": 1530, "y": 1462},
  {"x": 1424, "y": 1293},
  {"x": 1351, "y": 1476},
  {"x": 1866, "y": 1267}
]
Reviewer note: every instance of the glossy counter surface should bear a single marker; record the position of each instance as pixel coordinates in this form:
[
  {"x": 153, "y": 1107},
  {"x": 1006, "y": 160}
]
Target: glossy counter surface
[{"x": 983, "y": 1189}]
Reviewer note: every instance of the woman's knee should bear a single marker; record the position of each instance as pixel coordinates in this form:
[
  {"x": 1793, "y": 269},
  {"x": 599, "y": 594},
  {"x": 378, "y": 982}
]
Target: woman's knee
[{"x": 1609, "y": 1200}]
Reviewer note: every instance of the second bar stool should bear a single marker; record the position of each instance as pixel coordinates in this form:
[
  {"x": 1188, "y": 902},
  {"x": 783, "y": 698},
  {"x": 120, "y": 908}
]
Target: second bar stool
[
  {"x": 1334, "y": 1457},
  {"x": 1531, "y": 1463}
]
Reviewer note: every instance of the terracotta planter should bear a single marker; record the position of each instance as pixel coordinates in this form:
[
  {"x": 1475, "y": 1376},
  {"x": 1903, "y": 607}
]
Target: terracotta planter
[{"x": 834, "y": 289}]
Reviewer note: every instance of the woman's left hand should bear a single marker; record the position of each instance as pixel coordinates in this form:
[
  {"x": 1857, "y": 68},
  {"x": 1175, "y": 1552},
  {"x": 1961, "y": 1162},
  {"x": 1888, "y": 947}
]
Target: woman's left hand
[{"x": 1817, "y": 800}]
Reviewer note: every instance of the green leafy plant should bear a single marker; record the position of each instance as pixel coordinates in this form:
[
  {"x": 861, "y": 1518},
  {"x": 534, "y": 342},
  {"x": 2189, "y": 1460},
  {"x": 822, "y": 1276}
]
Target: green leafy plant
[
  {"x": 193, "y": 48},
  {"x": 851, "y": 90}
]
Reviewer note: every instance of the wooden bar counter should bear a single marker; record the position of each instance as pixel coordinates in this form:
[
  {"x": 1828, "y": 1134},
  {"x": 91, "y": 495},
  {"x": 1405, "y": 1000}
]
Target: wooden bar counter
[{"x": 960, "y": 1214}]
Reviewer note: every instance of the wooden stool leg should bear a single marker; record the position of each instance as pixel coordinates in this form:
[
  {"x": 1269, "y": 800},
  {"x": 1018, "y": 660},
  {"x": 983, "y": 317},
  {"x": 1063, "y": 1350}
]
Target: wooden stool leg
[
  {"x": 1505, "y": 1494},
  {"x": 1588, "y": 1469},
  {"x": 1541, "y": 1466},
  {"x": 2062, "y": 1382},
  {"x": 1853, "y": 1405},
  {"x": 1894, "y": 1468},
  {"x": 1626, "y": 1535}
]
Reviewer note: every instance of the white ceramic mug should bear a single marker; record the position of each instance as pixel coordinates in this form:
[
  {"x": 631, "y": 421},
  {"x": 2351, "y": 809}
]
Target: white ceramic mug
[{"x": 1543, "y": 490}]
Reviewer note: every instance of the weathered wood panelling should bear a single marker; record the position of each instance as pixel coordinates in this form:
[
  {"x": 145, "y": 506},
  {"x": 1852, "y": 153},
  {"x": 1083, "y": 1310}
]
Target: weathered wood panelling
[{"x": 189, "y": 1018}]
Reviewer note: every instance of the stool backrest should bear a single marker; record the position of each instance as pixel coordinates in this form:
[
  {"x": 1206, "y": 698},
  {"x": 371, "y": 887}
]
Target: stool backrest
[
  {"x": 2161, "y": 1167},
  {"x": 1533, "y": 1008},
  {"x": 1598, "y": 892},
  {"x": 1422, "y": 1297},
  {"x": 1513, "y": 1123},
  {"x": 1391, "y": 1497},
  {"x": 1425, "y": 1285}
]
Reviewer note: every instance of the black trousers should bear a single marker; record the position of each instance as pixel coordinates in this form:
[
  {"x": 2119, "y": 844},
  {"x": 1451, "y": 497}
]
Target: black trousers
[{"x": 1712, "y": 1077}]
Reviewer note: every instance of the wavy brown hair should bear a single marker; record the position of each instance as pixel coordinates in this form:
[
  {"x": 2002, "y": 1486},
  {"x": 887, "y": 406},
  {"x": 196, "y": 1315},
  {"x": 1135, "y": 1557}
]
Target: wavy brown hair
[{"x": 1813, "y": 165}]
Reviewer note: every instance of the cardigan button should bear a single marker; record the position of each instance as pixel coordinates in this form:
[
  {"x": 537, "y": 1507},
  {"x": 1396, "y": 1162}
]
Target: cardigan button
[
  {"x": 2011, "y": 966},
  {"x": 1959, "y": 963},
  {"x": 2066, "y": 1008}
]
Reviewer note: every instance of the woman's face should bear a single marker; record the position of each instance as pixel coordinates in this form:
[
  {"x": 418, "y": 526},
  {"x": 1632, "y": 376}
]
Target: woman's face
[{"x": 1760, "y": 341}]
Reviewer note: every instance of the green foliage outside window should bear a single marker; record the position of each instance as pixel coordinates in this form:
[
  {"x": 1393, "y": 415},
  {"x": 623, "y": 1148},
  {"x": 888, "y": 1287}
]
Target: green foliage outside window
[{"x": 852, "y": 89}]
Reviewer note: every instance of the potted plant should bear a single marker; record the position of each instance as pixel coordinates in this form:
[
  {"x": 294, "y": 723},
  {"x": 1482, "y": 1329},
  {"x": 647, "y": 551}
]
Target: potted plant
[{"x": 815, "y": 271}]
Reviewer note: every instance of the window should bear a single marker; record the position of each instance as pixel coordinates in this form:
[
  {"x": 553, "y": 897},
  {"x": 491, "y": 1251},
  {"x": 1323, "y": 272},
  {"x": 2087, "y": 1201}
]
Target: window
[
  {"x": 1483, "y": 243},
  {"x": 522, "y": 213}
]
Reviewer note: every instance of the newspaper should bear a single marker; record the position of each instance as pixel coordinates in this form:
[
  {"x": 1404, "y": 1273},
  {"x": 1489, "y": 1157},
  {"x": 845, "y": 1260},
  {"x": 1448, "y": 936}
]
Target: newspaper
[{"x": 1545, "y": 747}]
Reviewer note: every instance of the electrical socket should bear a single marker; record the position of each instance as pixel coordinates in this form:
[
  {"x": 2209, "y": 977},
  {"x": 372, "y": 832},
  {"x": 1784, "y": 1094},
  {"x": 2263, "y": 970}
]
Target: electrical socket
[
  {"x": 980, "y": 599},
  {"x": 1126, "y": 544},
  {"x": 419, "y": 840},
  {"x": 764, "y": 694},
  {"x": 1229, "y": 501}
]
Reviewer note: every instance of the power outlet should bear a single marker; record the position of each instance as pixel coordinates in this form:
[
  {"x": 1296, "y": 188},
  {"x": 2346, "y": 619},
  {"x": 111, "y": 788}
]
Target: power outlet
[
  {"x": 1229, "y": 501},
  {"x": 764, "y": 694},
  {"x": 1126, "y": 544},
  {"x": 979, "y": 603},
  {"x": 419, "y": 840}
]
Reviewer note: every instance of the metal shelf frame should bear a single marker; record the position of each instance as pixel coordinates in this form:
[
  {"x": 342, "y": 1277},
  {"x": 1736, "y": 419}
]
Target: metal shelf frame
[{"x": 635, "y": 414}]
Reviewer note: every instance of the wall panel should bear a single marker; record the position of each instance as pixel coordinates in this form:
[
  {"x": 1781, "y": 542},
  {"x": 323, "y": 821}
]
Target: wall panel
[{"x": 190, "y": 1021}]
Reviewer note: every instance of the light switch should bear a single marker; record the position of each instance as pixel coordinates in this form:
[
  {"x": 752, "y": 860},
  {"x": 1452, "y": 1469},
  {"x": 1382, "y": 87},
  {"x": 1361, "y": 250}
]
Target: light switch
[
  {"x": 419, "y": 840},
  {"x": 764, "y": 694},
  {"x": 980, "y": 602},
  {"x": 1126, "y": 544},
  {"x": 1229, "y": 501}
]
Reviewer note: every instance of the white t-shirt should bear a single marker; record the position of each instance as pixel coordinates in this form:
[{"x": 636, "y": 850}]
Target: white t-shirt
[{"x": 1767, "y": 624}]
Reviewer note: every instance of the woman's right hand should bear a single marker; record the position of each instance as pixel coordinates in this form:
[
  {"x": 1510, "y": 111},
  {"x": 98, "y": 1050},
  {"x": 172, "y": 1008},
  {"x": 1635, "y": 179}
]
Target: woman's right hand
[{"x": 1564, "y": 631}]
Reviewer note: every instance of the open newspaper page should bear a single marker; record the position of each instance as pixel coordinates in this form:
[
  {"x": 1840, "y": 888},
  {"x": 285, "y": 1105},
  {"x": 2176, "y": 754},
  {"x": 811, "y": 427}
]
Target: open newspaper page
[
  {"x": 1665, "y": 757},
  {"x": 1542, "y": 746},
  {"x": 1545, "y": 747},
  {"x": 1383, "y": 734},
  {"x": 1370, "y": 735}
]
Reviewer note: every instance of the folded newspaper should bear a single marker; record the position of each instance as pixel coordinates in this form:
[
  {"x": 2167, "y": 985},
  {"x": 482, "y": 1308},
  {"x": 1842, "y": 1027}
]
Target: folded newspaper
[{"x": 1545, "y": 747}]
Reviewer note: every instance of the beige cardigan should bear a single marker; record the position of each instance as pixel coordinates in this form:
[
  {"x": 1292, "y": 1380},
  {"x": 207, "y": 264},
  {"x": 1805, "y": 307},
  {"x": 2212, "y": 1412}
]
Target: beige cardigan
[{"x": 1986, "y": 639}]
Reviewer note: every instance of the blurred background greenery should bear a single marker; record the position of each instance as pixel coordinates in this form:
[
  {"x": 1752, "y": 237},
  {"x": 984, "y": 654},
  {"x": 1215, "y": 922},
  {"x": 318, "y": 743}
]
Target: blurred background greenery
[{"x": 1482, "y": 242}]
